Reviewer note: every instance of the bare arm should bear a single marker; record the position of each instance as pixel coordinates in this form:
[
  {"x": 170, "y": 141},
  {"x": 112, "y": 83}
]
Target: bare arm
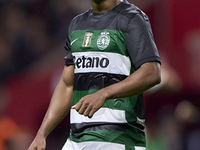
[
  {"x": 58, "y": 108},
  {"x": 144, "y": 78}
]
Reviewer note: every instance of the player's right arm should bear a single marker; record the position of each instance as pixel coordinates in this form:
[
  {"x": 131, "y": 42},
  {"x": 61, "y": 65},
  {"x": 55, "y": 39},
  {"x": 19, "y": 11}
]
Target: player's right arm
[{"x": 58, "y": 108}]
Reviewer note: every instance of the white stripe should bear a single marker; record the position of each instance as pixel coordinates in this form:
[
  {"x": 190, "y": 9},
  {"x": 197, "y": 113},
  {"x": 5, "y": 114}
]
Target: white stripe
[
  {"x": 139, "y": 148},
  {"x": 118, "y": 64},
  {"x": 102, "y": 115},
  {"x": 70, "y": 145}
]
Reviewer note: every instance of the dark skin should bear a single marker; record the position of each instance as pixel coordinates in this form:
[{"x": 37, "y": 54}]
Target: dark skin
[
  {"x": 144, "y": 78},
  {"x": 100, "y": 6}
]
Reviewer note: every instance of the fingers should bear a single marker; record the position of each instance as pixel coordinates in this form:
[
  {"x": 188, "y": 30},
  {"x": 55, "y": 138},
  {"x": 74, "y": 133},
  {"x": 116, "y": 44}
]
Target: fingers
[
  {"x": 87, "y": 112},
  {"x": 84, "y": 108},
  {"x": 89, "y": 104},
  {"x": 79, "y": 107},
  {"x": 91, "y": 113}
]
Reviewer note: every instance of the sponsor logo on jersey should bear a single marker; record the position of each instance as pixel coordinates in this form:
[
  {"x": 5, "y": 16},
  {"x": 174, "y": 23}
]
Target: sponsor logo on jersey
[
  {"x": 91, "y": 62},
  {"x": 99, "y": 61},
  {"x": 103, "y": 40},
  {"x": 73, "y": 41},
  {"x": 87, "y": 39}
]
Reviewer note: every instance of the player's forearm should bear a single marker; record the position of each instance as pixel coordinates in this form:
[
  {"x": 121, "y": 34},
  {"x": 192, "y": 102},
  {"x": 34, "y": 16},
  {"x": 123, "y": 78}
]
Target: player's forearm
[
  {"x": 144, "y": 78},
  {"x": 56, "y": 111},
  {"x": 59, "y": 105}
]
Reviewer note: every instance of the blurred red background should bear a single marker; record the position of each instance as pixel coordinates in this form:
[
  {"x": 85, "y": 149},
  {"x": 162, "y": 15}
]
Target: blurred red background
[{"x": 176, "y": 29}]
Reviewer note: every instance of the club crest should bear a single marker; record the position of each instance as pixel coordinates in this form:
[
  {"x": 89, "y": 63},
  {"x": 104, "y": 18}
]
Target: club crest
[{"x": 103, "y": 40}]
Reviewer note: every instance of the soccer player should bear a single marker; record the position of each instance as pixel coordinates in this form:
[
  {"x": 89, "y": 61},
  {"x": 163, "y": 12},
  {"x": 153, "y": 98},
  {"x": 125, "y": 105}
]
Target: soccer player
[{"x": 111, "y": 60}]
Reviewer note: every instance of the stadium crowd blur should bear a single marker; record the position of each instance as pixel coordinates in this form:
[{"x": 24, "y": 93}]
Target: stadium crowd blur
[{"x": 32, "y": 39}]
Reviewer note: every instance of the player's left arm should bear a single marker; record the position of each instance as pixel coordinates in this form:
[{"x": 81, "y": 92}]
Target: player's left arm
[{"x": 147, "y": 76}]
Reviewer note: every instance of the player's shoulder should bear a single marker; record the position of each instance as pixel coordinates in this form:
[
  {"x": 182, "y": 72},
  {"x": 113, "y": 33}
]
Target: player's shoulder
[
  {"x": 130, "y": 15},
  {"x": 130, "y": 10},
  {"x": 82, "y": 15},
  {"x": 78, "y": 19}
]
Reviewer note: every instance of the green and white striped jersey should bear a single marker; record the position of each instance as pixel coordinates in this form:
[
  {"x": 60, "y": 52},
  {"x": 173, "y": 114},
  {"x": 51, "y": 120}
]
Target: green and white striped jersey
[{"x": 107, "y": 48}]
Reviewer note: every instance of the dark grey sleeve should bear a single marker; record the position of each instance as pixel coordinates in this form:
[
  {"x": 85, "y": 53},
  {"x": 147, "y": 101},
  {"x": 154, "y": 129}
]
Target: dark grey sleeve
[
  {"x": 140, "y": 42},
  {"x": 69, "y": 60}
]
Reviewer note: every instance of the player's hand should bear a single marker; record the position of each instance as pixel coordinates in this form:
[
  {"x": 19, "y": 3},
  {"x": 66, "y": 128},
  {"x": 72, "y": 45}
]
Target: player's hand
[
  {"x": 89, "y": 104},
  {"x": 38, "y": 144}
]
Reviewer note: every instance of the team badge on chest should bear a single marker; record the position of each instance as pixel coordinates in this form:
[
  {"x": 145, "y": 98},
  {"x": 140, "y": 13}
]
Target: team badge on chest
[
  {"x": 103, "y": 40},
  {"x": 87, "y": 39}
]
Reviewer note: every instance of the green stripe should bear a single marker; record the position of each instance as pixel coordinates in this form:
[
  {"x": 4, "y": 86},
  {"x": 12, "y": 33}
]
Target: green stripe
[
  {"x": 117, "y": 41},
  {"x": 126, "y": 104},
  {"x": 120, "y": 104}
]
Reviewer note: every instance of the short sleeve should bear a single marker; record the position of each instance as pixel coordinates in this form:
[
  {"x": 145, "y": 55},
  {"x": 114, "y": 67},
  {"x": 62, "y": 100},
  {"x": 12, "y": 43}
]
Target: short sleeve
[
  {"x": 140, "y": 42},
  {"x": 69, "y": 60}
]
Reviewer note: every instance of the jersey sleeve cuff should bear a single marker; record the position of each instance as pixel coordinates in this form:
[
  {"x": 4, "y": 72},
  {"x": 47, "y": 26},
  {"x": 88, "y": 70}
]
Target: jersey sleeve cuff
[
  {"x": 69, "y": 61},
  {"x": 145, "y": 60}
]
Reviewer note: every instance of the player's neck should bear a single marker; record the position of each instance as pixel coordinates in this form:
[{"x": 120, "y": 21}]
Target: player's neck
[{"x": 100, "y": 6}]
